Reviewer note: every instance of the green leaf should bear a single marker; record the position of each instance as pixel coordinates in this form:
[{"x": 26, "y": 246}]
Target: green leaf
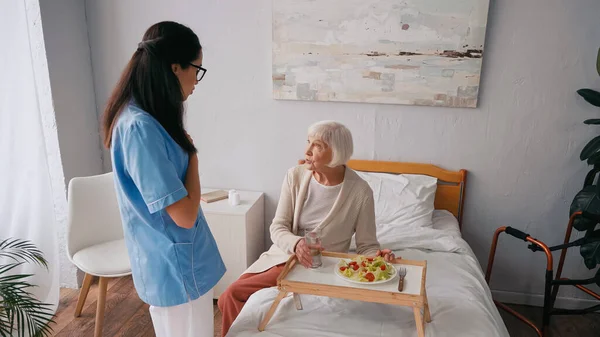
[
  {"x": 5, "y": 279},
  {"x": 591, "y": 251},
  {"x": 593, "y": 121},
  {"x": 592, "y": 147},
  {"x": 598, "y": 62},
  {"x": 594, "y": 159},
  {"x": 21, "y": 313},
  {"x": 591, "y": 96},
  {"x": 591, "y": 254},
  {"x": 22, "y": 250},
  {"x": 23, "y": 310},
  {"x": 7, "y": 267}
]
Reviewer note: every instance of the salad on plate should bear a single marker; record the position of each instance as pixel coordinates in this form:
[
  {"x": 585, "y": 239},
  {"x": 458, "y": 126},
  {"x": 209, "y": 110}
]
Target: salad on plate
[{"x": 366, "y": 269}]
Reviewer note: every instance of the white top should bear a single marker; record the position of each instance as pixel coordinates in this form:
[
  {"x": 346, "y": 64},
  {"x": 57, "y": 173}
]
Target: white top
[{"x": 319, "y": 201}]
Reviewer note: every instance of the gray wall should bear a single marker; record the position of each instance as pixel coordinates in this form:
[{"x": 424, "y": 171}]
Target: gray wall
[
  {"x": 520, "y": 145},
  {"x": 69, "y": 64}
]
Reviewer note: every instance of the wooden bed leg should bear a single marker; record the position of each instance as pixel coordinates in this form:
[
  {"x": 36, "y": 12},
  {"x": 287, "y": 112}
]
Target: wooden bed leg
[
  {"x": 297, "y": 301},
  {"x": 426, "y": 308},
  {"x": 271, "y": 311},
  {"x": 419, "y": 322}
]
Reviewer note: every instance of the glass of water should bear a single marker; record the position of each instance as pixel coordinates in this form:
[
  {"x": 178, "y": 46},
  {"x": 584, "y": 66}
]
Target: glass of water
[{"x": 313, "y": 242}]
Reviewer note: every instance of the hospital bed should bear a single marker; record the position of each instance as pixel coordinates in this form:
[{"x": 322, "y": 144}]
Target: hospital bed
[{"x": 419, "y": 210}]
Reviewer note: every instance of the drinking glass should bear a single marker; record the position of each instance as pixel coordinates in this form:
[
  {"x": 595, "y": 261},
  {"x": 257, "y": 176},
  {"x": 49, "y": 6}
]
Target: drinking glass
[{"x": 313, "y": 242}]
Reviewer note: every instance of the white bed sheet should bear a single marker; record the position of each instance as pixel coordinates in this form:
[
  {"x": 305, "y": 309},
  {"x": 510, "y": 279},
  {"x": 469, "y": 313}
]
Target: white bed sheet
[{"x": 459, "y": 299}]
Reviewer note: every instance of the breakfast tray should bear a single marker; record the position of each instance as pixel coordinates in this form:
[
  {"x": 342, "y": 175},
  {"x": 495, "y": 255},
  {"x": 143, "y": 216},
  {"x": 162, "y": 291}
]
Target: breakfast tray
[{"x": 323, "y": 281}]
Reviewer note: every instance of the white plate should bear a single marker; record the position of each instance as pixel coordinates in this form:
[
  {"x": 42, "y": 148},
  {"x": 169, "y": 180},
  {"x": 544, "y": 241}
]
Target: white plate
[{"x": 339, "y": 274}]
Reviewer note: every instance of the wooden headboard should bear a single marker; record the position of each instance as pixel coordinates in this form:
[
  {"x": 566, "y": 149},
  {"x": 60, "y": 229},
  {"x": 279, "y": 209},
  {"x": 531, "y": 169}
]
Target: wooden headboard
[{"x": 450, "y": 193}]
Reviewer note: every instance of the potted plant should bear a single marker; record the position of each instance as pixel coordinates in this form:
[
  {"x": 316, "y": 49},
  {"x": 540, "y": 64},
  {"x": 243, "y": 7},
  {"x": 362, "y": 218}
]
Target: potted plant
[
  {"x": 21, "y": 314},
  {"x": 588, "y": 199}
]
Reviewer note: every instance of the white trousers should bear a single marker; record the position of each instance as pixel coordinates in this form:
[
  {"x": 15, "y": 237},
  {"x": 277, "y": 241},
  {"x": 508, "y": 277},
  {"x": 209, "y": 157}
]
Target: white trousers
[{"x": 191, "y": 319}]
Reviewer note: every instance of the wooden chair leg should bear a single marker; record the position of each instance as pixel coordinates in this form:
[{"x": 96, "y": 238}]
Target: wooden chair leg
[
  {"x": 100, "y": 309},
  {"x": 85, "y": 289}
]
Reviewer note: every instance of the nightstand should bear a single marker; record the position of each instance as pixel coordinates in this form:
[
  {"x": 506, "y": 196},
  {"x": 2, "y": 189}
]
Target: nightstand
[{"x": 238, "y": 231}]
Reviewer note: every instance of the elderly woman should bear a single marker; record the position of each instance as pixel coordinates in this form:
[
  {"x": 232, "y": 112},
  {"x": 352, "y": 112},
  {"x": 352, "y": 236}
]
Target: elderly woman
[{"x": 322, "y": 194}]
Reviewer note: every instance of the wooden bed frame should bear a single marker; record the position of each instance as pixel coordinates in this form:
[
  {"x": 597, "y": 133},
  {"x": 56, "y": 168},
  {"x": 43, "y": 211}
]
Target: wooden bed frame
[{"x": 450, "y": 194}]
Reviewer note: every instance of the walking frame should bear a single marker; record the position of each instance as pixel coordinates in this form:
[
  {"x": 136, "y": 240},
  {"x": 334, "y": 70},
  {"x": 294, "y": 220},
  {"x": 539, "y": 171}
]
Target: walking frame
[{"x": 551, "y": 284}]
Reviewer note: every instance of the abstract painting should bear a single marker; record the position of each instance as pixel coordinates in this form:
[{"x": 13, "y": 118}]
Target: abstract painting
[{"x": 416, "y": 52}]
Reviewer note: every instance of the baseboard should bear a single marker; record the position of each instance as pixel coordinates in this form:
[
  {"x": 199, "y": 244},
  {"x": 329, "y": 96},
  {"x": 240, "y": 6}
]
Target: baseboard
[{"x": 538, "y": 300}]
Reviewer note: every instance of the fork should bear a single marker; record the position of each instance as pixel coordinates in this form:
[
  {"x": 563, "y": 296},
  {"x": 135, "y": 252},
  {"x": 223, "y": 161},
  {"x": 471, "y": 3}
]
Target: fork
[{"x": 401, "y": 275}]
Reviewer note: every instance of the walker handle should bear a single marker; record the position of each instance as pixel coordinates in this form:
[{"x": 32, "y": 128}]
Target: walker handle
[{"x": 517, "y": 233}]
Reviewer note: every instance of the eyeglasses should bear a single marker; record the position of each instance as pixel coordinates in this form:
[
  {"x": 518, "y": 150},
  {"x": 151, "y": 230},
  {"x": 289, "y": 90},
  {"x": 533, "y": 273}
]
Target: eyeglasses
[{"x": 199, "y": 72}]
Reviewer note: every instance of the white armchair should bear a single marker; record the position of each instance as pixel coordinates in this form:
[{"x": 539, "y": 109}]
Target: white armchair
[{"x": 95, "y": 241}]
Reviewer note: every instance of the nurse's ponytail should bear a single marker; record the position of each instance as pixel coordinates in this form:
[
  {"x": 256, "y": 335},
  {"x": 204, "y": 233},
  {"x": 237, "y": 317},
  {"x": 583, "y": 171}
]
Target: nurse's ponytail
[{"x": 148, "y": 80}]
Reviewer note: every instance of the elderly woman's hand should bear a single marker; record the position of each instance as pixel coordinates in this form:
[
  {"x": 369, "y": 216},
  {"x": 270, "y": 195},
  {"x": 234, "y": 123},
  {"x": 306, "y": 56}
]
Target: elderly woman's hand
[
  {"x": 303, "y": 253},
  {"x": 387, "y": 254}
]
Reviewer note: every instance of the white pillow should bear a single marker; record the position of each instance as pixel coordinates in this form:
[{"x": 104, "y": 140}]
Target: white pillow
[{"x": 402, "y": 198}]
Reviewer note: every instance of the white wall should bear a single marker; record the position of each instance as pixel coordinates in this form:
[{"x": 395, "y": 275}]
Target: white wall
[
  {"x": 69, "y": 64},
  {"x": 520, "y": 146}
]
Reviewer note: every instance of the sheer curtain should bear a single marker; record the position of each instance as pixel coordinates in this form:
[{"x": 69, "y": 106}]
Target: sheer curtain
[{"x": 27, "y": 200}]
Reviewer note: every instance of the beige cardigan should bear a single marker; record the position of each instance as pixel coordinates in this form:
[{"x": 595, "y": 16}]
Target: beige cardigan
[{"x": 353, "y": 211}]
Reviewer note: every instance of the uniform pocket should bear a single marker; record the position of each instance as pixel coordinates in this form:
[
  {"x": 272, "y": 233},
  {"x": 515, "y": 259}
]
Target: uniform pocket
[
  {"x": 178, "y": 235},
  {"x": 185, "y": 260}
]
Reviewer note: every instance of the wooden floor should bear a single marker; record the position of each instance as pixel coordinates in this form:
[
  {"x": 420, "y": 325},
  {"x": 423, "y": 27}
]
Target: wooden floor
[
  {"x": 560, "y": 326},
  {"x": 127, "y": 315}
]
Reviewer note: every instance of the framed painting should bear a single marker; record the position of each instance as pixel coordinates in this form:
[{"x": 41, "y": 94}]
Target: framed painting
[{"x": 415, "y": 52}]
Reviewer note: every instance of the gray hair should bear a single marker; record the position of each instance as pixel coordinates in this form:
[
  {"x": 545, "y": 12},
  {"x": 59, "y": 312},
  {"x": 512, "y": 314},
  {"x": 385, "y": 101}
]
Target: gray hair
[{"x": 337, "y": 136}]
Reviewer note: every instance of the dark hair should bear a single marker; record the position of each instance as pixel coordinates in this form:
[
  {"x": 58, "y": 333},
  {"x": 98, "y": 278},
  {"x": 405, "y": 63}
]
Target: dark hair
[{"x": 149, "y": 79}]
